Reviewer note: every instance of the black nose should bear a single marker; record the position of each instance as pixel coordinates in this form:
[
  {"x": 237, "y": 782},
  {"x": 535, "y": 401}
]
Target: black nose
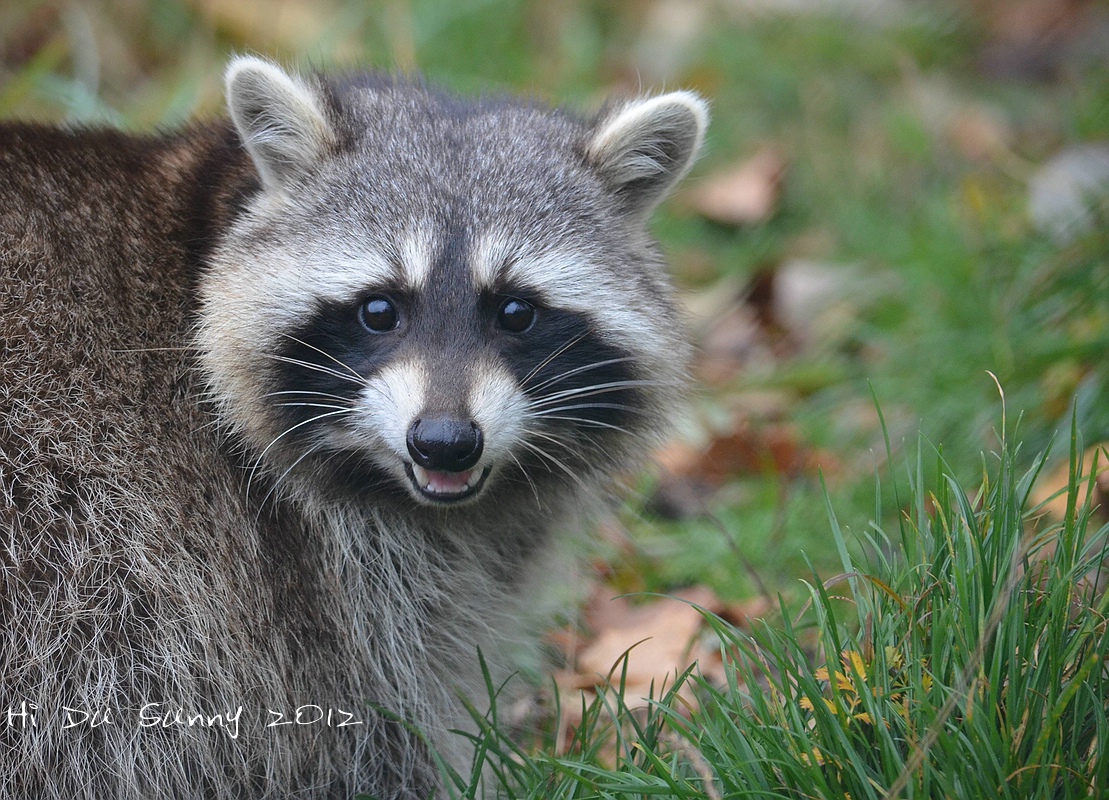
[{"x": 444, "y": 443}]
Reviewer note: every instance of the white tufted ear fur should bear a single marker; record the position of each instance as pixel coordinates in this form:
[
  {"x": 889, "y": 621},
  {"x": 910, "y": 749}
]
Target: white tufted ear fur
[
  {"x": 643, "y": 148},
  {"x": 278, "y": 118}
]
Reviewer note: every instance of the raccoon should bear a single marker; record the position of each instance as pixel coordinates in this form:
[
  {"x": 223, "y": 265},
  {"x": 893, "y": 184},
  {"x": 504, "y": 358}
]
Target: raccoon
[{"x": 295, "y": 407}]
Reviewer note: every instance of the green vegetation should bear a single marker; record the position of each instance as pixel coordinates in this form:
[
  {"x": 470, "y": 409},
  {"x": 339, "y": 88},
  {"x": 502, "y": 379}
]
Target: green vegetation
[{"x": 968, "y": 657}]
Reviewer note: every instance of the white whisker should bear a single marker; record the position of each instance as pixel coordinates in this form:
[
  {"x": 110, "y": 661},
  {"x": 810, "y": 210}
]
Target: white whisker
[
  {"x": 576, "y": 371},
  {"x": 308, "y": 393},
  {"x": 286, "y": 432},
  {"x": 551, "y": 358},
  {"x": 538, "y": 411},
  {"x": 549, "y": 458},
  {"x": 527, "y": 477},
  {"x": 281, "y": 477},
  {"x": 326, "y": 355},
  {"x": 551, "y": 438},
  {"x": 312, "y": 405},
  {"x": 595, "y": 423},
  {"x": 316, "y": 367},
  {"x": 598, "y": 388}
]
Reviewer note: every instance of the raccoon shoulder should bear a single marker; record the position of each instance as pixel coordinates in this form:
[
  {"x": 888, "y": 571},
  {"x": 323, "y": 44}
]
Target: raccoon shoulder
[
  {"x": 101, "y": 202},
  {"x": 101, "y": 237}
]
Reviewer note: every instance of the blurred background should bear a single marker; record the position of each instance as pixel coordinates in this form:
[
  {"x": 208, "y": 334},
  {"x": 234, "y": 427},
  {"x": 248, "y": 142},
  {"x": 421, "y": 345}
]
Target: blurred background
[{"x": 900, "y": 218}]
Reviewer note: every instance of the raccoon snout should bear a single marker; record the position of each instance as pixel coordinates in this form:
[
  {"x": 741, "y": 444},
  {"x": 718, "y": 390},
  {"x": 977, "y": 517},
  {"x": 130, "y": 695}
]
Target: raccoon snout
[{"x": 445, "y": 443}]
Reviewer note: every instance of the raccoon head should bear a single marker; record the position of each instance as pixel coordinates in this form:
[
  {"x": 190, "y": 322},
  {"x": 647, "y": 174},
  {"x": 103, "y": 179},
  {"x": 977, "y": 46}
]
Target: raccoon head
[{"x": 444, "y": 300}]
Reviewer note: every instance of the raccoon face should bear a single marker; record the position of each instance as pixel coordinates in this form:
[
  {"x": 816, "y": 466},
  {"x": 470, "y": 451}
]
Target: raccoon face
[{"x": 443, "y": 301}]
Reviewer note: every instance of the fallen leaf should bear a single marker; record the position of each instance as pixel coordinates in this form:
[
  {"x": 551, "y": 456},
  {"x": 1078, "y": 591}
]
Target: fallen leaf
[
  {"x": 743, "y": 194},
  {"x": 656, "y": 648},
  {"x": 644, "y": 644},
  {"x": 754, "y": 448},
  {"x": 691, "y": 474},
  {"x": 742, "y": 614}
]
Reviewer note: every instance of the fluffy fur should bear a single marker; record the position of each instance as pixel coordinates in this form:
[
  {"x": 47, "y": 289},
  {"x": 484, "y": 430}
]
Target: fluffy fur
[{"x": 226, "y": 353}]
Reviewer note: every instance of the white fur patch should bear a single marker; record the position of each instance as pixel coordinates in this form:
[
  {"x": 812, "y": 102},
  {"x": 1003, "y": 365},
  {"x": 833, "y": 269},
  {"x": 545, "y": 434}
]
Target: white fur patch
[
  {"x": 391, "y": 401},
  {"x": 395, "y": 397},
  {"x": 415, "y": 254},
  {"x": 571, "y": 281},
  {"x": 280, "y": 283},
  {"x": 498, "y": 407},
  {"x": 488, "y": 258}
]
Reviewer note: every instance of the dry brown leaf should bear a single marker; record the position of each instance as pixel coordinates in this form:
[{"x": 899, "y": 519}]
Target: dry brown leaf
[
  {"x": 742, "y": 614},
  {"x": 751, "y": 448},
  {"x": 658, "y": 638},
  {"x": 691, "y": 474},
  {"x": 656, "y": 649},
  {"x": 744, "y": 194}
]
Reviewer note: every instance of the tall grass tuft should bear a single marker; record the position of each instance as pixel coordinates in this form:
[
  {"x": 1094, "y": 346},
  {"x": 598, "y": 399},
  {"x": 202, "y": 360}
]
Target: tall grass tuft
[{"x": 965, "y": 656}]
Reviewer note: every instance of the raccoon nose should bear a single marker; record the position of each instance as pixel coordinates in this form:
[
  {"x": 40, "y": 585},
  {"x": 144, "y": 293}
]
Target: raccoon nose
[{"x": 444, "y": 443}]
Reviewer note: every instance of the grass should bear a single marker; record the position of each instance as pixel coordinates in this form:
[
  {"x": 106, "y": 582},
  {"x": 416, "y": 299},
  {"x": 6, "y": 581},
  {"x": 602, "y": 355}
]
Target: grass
[{"x": 967, "y": 657}]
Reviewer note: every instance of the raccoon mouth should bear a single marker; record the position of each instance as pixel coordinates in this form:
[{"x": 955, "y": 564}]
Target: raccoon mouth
[{"x": 446, "y": 486}]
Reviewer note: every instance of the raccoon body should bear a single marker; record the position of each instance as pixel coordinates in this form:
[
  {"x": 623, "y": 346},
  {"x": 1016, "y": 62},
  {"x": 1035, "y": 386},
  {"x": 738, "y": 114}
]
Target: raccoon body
[{"x": 293, "y": 408}]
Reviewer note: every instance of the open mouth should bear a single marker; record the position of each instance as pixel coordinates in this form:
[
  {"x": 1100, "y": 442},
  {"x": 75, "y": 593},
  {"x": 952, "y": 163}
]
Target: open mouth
[{"x": 446, "y": 487}]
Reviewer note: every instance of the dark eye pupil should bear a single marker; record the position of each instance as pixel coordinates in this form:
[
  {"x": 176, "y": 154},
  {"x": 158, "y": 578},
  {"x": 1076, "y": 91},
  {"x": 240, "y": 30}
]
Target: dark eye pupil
[
  {"x": 379, "y": 314},
  {"x": 515, "y": 315}
]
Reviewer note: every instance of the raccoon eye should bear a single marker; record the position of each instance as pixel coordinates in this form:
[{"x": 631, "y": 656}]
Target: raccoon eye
[
  {"x": 379, "y": 314},
  {"x": 516, "y": 315}
]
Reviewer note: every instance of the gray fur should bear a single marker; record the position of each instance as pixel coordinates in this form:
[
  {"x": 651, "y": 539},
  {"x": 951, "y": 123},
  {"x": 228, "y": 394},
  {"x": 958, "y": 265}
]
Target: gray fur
[
  {"x": 165, "y": 537},
  {"x": 278, "y": 119}
]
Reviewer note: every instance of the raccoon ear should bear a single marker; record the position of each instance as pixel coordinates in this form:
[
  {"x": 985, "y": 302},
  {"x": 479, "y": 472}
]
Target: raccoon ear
[
  {"x": 644, "y": 148},
  {"x": 278, "y": 117}
]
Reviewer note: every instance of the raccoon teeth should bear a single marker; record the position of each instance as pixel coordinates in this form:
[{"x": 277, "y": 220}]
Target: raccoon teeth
[{"x": 446, "y": 484}]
